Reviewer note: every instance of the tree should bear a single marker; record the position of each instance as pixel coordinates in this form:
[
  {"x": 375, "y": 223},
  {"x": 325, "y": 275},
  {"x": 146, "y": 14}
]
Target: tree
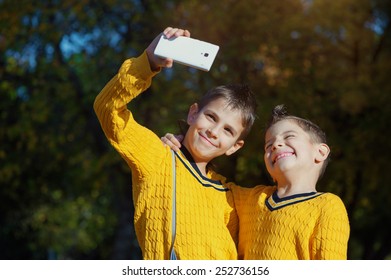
[{"x": 65, "y": 193}]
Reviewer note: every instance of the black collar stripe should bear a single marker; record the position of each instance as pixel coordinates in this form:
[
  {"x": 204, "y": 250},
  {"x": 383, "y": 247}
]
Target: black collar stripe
[
  {"x": 274, "y": 202},
  {"x": 193, "y": 169}
]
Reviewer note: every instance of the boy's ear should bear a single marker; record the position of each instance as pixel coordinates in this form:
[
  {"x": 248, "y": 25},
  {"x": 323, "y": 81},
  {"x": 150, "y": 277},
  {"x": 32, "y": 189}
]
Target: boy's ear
[
  {"x": 193, "y": 111},
  {"x": 235, "y": 147},
  {"x": 323, "y": 152}
]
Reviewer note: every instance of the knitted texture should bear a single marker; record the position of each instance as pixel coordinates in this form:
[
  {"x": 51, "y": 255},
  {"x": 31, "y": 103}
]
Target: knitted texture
[
  {"x": 311, "y": 226},
  {"x": 206, "y": 220}
]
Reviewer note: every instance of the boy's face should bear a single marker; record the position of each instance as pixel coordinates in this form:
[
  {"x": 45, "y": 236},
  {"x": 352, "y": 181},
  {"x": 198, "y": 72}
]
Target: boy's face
[
  {"x": 214, "y": 130},
  {"x": 289, "y": 148}
]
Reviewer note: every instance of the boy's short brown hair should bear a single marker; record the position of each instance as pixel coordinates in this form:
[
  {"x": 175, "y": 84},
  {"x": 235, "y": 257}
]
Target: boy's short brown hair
[{"x": 238, "y": 97}]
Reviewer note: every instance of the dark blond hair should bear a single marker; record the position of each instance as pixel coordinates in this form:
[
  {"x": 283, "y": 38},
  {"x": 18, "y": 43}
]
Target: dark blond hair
[{"x": 238, "y": 97}]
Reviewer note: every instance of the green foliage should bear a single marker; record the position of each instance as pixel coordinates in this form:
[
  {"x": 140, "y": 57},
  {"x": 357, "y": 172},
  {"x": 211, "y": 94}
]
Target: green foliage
[{"x": 65, "y": 193}]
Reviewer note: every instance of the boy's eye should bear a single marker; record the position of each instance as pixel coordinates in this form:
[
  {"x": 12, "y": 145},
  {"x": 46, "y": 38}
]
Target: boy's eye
[
  {"x": 210, "y": 116},
  {"x": 227, "y": 129}
]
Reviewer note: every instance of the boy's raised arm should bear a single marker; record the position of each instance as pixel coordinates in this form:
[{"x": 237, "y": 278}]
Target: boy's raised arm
[{"x": 135, "y": 143}]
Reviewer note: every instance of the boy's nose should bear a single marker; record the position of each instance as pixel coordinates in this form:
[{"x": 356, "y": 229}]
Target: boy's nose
[
  {"x": 276, "y": 144},
  {"x": 212, "y": 131}
]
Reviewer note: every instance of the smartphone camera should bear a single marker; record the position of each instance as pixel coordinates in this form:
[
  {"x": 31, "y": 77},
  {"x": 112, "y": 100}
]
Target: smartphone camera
[{"x": 206, "y": 54}]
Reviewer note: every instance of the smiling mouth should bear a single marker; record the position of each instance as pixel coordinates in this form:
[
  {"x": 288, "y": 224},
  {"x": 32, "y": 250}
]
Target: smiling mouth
[
  {"x": 282, "y": 155},
  {"x": 207, "y": 140}
]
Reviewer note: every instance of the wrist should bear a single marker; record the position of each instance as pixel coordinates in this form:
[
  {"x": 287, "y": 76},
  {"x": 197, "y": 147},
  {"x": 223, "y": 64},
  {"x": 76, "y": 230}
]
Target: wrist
[{"x": 151, "y": 60}]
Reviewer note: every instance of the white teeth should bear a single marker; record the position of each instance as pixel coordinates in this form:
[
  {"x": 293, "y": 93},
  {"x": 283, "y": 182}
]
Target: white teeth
[{"x": 282, "y": 155}]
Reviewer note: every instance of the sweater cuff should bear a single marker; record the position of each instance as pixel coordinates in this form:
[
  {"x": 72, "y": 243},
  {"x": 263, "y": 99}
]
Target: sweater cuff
[{"x": 141, "y": 63}]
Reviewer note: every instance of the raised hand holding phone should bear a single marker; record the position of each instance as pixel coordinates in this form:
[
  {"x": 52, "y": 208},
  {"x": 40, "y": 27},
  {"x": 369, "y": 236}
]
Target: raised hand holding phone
[{"x": 187, "y": 51}]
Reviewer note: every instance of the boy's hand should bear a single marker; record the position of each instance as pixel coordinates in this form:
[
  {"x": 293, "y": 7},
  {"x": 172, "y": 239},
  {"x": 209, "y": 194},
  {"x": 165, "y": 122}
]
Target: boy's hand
[
  {"x": 173, "y": 141},
  {"x": 156, "y": 62}
]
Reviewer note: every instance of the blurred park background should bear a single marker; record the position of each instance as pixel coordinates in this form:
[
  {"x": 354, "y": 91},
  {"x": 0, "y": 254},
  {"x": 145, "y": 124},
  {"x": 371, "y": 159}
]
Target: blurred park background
[{"x": 66, "y": 194}]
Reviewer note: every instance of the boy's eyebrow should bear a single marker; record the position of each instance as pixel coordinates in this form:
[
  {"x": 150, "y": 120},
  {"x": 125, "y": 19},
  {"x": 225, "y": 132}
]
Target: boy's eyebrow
[{"x": 289, "y": 131}]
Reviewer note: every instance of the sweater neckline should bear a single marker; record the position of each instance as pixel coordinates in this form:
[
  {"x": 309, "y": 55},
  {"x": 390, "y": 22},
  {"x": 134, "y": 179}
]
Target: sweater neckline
[
  {"x": 188, "y": 161},
  {"x": 274, "y": 202}
]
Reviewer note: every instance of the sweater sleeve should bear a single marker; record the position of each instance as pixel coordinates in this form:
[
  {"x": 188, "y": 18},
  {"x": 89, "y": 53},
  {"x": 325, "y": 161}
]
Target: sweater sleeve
[
  {"x": 246, "y": 199},
  {"x": 332, "y": 235},
  {"x": 139, "y": 146},
  {"x": 241, "y": 195}
]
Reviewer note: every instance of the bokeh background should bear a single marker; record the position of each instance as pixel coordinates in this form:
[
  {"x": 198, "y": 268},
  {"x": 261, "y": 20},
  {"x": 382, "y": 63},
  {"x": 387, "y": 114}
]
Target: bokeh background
[{"x": 66, "y": 194}]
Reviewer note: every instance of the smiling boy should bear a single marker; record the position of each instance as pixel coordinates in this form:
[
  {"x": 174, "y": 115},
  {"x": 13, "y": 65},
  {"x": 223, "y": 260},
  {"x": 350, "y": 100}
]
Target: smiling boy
[
  {"x": 181, "y": 206},
  {"x": 291, "y": 220}
]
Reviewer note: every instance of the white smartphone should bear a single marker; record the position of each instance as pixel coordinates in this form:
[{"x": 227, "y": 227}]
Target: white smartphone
[{"x": 188, "y": 51}]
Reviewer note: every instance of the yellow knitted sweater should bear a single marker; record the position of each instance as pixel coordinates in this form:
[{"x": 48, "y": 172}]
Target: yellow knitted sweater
[
  {"x": 206, "y": 221},
  {"x": 310, "y": 226}
]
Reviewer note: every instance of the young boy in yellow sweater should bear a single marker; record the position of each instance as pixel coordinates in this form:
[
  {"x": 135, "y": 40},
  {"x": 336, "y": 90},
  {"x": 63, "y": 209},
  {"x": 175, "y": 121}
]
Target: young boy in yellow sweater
[
  {"x": 196, "y": 219},
  {"x": 290, "y": 221}
]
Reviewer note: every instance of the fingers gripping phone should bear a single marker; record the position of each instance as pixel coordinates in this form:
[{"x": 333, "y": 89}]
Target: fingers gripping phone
[{"x": 188, "y": 51}]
